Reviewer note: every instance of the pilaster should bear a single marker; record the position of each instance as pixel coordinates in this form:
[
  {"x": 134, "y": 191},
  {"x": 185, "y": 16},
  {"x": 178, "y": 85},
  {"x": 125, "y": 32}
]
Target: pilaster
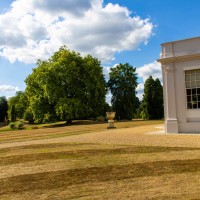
[{"x": 171, "y": 121}]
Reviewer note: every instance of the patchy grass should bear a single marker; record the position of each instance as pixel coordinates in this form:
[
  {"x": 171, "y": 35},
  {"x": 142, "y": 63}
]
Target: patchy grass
[
  {"x": 91, "y": 171},
  {"x": 59, "y": 129},
  {"x": 120, "y": 164}
]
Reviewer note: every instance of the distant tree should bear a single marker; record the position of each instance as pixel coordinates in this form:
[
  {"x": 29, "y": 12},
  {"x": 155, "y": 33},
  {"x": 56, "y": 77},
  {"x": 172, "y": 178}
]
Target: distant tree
[
  {"x": 136, "y": 112},
  {"x": 3, "y": 109},
  {"x": 20, "y": 102},
  {"x": 152, "y": 103},
  {"x": 67, "y": 86},
  {"x": 122, "y": 84}
]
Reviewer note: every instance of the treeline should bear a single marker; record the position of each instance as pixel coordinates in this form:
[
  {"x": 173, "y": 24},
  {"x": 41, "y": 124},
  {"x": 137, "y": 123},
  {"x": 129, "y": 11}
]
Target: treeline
[{"x": 68, "y": 86}]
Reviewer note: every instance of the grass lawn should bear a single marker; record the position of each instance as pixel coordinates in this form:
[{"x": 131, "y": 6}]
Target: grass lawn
[{"x": 87, "y": 161}]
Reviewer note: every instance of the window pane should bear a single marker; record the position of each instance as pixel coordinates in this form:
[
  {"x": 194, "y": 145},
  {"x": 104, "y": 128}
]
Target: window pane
[
  {"x": 198, "y": 77},
  {"x": 193, "y": 91},
  {"x": 193, "y": 84},
  {"x": 195, "y": 105},
  {"x": 189, "y": 106},
  {"x": 187, "y": 78},
  {"x": 198, "y": 90},
  {"x": 189, "y": 72},
  {"x": 194, "y": 98},
  {"x": 193, "y": 77},
  {"x": 188, "y": 92},
  {"x": 189, "y": 98},
  {"x": 197, "y": 83},
  {"x": 187, "y": 84}
]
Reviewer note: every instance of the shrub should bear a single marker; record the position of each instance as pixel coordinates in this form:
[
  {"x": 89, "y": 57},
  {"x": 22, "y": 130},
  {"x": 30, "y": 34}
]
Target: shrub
[
  {"x": 19, "y": 125},
  {"x": 101, "y": 119},
  {"x": 12, "y": 125}
]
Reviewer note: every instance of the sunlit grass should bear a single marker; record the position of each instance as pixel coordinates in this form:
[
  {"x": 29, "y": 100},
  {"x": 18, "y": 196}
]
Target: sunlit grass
[{"x": 90, "y": 162}]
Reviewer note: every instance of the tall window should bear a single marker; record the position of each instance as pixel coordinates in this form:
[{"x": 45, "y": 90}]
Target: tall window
[{"x": 192, "y": 81}]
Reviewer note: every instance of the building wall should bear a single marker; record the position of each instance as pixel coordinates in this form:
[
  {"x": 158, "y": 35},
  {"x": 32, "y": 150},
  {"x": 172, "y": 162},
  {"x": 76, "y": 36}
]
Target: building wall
[{"x": 177, "y": 57}]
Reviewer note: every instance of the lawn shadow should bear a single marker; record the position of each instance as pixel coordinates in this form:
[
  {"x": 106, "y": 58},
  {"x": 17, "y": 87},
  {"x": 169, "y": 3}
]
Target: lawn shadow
[
  {"x": 65, "y": 178},
  {"x": 3, "y": 124},
  {"x": 75, "y": 123}
]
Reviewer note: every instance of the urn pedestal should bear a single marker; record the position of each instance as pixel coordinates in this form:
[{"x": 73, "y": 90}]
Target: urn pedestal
[{"x": 110, "y": 116}]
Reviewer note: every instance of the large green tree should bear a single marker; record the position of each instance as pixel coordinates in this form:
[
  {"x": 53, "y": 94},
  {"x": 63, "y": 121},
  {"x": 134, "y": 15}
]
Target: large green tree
[
  {"x": 152, "y": 103},
  {"x": 3, "y": 109},
  {"x": 122, "y": 84},
  {"x": 67, "y": 86}
]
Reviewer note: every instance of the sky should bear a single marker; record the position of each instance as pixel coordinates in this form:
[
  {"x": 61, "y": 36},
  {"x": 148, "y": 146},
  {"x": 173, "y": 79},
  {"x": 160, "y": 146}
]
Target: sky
[{"x": 114, "y": 31}]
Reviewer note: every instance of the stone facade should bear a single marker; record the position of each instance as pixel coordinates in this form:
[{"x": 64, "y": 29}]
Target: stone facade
[{"x": 180, "y": 61}]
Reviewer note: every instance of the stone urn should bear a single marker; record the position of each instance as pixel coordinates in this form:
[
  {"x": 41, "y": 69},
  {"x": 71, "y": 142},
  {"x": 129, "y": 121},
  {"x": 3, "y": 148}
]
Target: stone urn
[{"x": 110, "y": 116}]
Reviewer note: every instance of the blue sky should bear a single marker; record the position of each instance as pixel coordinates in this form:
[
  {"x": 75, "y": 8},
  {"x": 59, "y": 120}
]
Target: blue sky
[{"x": 115, "y": 31}]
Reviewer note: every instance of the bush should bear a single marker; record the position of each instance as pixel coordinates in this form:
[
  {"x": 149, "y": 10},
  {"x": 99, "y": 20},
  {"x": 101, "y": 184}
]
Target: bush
[
  {"x": 101, "y": 119},
  {"x": 12, "y": 125},
  {"x": 19, "y": 125}
]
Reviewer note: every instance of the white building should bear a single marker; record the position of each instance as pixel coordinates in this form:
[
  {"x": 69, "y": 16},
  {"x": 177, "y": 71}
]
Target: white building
[{"x": 180, "y": 62}]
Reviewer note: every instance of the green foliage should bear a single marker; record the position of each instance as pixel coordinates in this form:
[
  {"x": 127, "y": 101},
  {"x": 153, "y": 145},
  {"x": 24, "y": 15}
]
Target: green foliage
[
  {"x": 28, "y": 115},
  {"x": 3, "y": 109},
  {"x": 19, "y": 125},
  {"x": 12, "y": 125},
  {"x": 152, "y": 103},
  {"x": 20, "y": 102},
  {"x": 69, "y": 108},
  {"x": 13, "y": 114},
  {"x": 101, "y": 119},
  {"x": 122, "y": 84},
  {"x": 16, "y": 125},
  {"x": 107, "y": 108},
  {"x": 137, "y": 110},
  {"x": 66, "y": 87}
]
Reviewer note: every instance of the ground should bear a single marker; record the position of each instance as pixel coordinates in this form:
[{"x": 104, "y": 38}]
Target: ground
[{"x": 86, "y": 161}]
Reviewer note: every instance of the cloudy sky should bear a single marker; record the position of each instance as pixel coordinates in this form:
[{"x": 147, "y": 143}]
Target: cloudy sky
[{"x": 115, "y": 31}]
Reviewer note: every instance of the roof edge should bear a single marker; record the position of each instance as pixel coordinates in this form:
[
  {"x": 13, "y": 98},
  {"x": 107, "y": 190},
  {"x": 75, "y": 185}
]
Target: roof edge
[{"x": 198, "y": 37}]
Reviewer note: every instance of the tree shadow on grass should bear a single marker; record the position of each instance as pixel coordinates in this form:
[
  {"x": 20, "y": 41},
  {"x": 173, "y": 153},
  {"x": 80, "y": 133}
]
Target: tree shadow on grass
[
  {"x": 75, "y": 123},
  {"x": 64, "y": 178},
  {"x": 83, "y": 154}
]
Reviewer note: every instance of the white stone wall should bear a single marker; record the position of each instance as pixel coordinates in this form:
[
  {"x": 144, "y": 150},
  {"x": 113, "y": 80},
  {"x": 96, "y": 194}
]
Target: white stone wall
[{"x": 177, "y": 57}]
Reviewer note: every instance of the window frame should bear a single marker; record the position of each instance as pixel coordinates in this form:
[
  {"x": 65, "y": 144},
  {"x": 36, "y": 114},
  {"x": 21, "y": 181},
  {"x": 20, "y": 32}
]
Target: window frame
[{"x": 192, "y": 89}]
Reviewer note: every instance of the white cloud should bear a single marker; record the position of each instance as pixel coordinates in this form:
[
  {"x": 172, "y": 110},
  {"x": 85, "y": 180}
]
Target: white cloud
[
  {"x": 8, "y": 88},
  {"x": 35, "y": 29},
  {"x": 151, "y": 69},
  {"x": 140, "y": 91},
  {"x": 140, "y": 87},
  {"x": 108, "y": 98},
  {"x": 106, "y": 71}
]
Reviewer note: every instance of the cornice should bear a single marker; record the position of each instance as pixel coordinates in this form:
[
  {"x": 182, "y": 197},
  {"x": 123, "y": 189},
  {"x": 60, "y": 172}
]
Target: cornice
[{"x": 179, "y": 58}]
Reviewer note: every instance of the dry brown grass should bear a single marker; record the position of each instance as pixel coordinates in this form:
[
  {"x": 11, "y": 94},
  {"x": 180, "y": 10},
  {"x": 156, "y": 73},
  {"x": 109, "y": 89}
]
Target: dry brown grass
[{"x": 91, "y": 162}]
